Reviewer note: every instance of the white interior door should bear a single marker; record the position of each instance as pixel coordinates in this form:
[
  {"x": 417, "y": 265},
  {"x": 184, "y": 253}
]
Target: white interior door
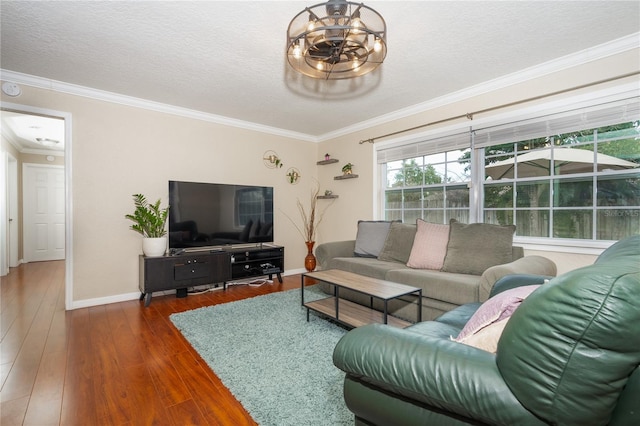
[
  {"x": 43, "y": 212},
  {"x": 12, "y": 208}
]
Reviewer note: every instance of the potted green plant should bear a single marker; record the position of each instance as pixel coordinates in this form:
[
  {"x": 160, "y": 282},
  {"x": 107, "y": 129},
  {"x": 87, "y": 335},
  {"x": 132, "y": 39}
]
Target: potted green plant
[
  {"x": 347, "y": 169},
  {"x": 149, "y": 220}
]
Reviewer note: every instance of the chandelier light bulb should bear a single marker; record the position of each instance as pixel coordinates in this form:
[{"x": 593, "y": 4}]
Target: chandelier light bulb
[
  {"x": 311, "y": 25},
  {"x": 320, "y": 66},
  {"x": 357, "y": 26},
  {"x": 377, "y": 45},
  {"x": 297, "y": 52}
]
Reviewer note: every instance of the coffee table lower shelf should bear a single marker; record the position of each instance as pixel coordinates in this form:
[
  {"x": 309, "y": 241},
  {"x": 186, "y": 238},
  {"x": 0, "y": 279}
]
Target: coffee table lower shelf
[{"x": 351, "y": 314}]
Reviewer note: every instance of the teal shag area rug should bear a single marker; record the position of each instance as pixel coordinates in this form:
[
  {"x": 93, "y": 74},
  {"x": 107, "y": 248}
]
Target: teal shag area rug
[{"x": 278, "y": 365}]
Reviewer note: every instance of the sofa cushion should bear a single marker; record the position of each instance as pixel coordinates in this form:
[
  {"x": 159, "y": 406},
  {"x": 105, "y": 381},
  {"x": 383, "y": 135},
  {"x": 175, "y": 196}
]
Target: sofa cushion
[
  {"x": 370, "y": 237},
  {"x": 365, "y": 266},
  {"x": 429, "y": 245},
  {"x": 475, "y": 247},
  {"x": 397, "y": 246},
  {"x": 456, "y": 289}
]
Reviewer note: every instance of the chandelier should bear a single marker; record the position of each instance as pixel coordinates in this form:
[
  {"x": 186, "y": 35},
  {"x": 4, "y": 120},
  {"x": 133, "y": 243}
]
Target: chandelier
[{"x": 336, "y": 40}]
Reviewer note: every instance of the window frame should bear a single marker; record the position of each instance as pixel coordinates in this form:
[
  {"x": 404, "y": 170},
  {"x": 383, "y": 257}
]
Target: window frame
[{"x": 594, "y": 101}]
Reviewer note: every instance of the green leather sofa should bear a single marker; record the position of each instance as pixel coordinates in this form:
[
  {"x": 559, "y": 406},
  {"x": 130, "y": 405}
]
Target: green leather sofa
[{"x": 569, "y": 355}]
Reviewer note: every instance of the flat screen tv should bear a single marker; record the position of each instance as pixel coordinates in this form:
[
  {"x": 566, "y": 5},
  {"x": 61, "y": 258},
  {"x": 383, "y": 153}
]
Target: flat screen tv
[{"x": 205, "y": 215}]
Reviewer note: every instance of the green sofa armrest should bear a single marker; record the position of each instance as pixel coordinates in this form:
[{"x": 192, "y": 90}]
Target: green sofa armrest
[
  {"x": 536, "y": 265},
  {"x": 517, "y": 280},
  {"x": 327, "y": 251},
  {"x": 438, "y": 372}
]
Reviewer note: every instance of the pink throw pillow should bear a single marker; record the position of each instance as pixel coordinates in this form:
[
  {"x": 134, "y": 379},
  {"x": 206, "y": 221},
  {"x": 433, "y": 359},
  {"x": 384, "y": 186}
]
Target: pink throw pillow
[
  {"x": 499, "y": 307},
  {"x": 429, "y": 245}
]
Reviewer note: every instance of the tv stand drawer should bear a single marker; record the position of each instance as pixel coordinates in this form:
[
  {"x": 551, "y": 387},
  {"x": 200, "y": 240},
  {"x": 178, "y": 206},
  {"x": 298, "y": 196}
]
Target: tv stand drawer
[{"x": 192, "y": 271}]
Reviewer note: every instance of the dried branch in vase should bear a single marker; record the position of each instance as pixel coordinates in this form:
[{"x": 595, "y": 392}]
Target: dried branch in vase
[{"x": 311, "y": 219}]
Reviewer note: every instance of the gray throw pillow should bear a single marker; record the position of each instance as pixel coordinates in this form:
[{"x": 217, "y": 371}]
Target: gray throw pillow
[
  {"x": 397, "y": 246},
  {"x": 370, "y": 237},
  {"x": 475, "y": 247}
]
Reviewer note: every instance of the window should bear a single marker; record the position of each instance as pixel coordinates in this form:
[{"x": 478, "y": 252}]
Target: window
[
  {"x": 582, "y": 185},
  {"x": 430, "y": 187},
  {"x": 572, "y": 174}
]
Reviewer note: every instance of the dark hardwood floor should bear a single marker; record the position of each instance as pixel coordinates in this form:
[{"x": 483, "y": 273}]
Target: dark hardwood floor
[{"x": 116, "y": 364}]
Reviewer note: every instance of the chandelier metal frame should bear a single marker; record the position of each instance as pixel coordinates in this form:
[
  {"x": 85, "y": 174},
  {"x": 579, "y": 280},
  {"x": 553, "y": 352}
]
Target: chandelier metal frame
[{"x": 336, "y": 40}]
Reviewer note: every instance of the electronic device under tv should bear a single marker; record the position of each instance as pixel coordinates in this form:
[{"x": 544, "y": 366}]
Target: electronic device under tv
[{"x": 213, "y": 215}]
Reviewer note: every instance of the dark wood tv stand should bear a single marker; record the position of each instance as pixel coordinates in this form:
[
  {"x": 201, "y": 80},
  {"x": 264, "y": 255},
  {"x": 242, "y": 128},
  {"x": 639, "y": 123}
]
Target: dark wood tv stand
[{"x": 212, "y": 266}]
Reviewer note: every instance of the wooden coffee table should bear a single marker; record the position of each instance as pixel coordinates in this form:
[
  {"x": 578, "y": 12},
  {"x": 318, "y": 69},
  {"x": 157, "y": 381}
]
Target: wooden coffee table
[{"x": 353, "y": 314}]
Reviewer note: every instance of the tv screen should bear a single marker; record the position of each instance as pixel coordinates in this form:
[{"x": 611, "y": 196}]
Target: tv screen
[{"x": 214, "y": 214}]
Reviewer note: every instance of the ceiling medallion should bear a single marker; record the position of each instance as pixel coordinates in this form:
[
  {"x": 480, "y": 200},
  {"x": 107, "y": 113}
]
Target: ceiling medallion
[{"x": 336, "y": 40}]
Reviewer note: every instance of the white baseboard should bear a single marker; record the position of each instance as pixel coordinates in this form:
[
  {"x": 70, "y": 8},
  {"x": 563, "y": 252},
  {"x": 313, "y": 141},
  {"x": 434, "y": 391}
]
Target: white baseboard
[{"x": 87, "y": 303}]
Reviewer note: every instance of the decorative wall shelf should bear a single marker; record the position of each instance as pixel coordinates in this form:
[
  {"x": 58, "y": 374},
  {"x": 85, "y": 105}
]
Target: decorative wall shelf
[
  {"x": 349, "y": 176},
  {"x": 325, "y": 162},
  {"x": 326, "y": 197}
]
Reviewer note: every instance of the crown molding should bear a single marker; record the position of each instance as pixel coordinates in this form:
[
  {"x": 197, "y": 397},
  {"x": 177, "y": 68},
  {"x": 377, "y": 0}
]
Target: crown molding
[
  {"x": 614, "y": 47},
  {"x": 102, "y": 95},
  {"x": 595, "y": 53}
]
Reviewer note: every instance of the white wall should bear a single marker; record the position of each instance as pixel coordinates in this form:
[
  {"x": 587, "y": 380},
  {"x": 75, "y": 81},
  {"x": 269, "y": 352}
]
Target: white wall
[{"x": 120, "y": 150}]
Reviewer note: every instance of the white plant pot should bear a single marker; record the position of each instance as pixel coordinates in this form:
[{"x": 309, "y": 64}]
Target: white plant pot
[{"x": 154, "y": 247}]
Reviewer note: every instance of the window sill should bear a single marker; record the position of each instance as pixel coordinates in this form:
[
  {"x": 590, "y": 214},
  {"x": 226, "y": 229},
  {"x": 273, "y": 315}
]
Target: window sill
[{"x": 563, "y": 245}]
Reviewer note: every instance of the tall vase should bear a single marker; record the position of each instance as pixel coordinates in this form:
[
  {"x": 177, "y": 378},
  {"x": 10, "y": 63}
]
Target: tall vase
[{"x": 310, "y": 259}]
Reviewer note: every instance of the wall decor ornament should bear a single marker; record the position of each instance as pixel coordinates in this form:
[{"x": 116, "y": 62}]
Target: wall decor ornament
[
  {"x": 271, "y": 160},
  {"x": 293, "y": 175}
]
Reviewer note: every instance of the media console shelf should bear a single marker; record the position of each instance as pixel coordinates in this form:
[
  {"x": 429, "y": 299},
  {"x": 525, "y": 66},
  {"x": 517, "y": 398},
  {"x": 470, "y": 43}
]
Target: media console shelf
[
  {"x": 211, "y": 267},
  {"x": 254, "y": 262}
]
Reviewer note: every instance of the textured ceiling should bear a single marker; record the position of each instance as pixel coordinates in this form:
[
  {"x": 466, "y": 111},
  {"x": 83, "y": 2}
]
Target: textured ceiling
[{"x": 227, "y": 57}]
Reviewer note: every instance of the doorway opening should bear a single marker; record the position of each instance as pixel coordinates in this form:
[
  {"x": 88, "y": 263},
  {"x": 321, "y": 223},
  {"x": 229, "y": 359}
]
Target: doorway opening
[{"x": 36, "y": 217}]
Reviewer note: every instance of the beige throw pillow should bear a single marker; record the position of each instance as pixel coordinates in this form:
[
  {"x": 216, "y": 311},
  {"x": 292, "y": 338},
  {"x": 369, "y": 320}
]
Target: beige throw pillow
[
  {"x": 429, "y": 245},
  {"x": 487, "y": 338}
]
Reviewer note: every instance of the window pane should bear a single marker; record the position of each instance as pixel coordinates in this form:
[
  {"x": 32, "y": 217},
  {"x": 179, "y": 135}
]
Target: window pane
[
  {"x": 532, "y": 194},
  {"x": 532, "y": 223},
  {"x": 434, "y": 216},
  {"x": 410, "y": 216},
  {"x": 572, "y": 224},
  {"x": 393, "y": 215},
  {"x": 620, "y": 190},
  {"x": 573, "y": 160},
  {"x": 457, "y": 197},
  {"x": 499, "y": 217},
  {"x": 390, "y": 178},
  {"x": 461, "y": 215},
  {"x": 496, "y": 196},
  {"x": 573, "y": 193},
  {"x": 533, "y": 163},
  {"x": 412, "y": 173},
  {"x": 434, "y": 198},
  {"x": 459, "y": 171},
  {"x": 393, "y": 199},
  {"x": 413, "y": 198},
  {"x": 614, "y": 224}
]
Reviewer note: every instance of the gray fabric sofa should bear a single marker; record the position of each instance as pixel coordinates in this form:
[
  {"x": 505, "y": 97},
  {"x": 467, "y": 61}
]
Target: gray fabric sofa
[{"x": 441, "y": 291}]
